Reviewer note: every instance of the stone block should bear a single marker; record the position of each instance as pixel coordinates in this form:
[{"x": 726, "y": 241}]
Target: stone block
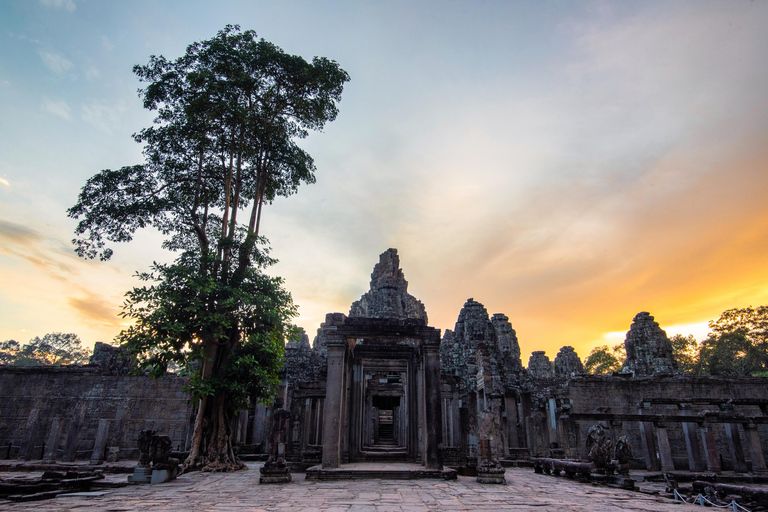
[
  {"x": 160, "y": 476},
  {"x": 141, "y": 476}
]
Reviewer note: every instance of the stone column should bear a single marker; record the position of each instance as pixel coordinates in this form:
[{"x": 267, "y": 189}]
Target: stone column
[
  {"x": 710, "y": 448},
  {"x": 52, "y": 445},
  {"x": 27, "y": 447},
  {"x": 73, "y": 433},
  {"x": 115, "y": 439},
  {"x": 259, "y": 421},
  {"x": 334, "y": 389},
  {"x": 691, "y": 440},
  {"x": 513, "y": 440},
  {"x": 552, "y": 433},
  {"x": 665, "y": 451},
  {"x": 648, "y": 441},
  {"x": 100, "y": 444},
  {"x": 434, "y": 440},
  {"x": 734, "y": 446},
  {"x": 755, "y": 449}
]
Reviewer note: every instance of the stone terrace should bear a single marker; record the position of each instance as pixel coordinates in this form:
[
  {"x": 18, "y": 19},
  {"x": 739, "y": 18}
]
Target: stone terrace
[{"x": 240, "y": 491}]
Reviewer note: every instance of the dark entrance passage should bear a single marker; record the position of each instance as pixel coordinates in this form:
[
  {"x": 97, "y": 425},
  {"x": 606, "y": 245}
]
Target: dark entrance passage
[
  {"x": 387, "y": 407},
  {"x": 382, "y": 399}
]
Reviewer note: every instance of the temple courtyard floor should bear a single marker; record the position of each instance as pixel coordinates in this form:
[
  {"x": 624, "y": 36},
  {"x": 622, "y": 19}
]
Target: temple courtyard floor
[{"x": 240, "y": 492}]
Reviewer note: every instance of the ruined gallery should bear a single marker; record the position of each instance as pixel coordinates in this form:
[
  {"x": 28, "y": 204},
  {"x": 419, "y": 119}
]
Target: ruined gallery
[{"x": 380, "y": 384}]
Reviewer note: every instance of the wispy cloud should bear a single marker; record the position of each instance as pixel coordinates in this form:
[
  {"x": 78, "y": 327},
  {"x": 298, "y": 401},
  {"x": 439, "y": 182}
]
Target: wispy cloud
[
  {"x": 5, "y": 182},
  {"x": 68, "y": 5},
  {"x": 12, "y": 232},
  {"x": 58, "y": 108},
  {"x": 102, "y": 116},
  {"x": 92, "y": 73},
  {"x": 96, "y": 309},
  {"x": 106, "y": 44},
  {"x": 54, "y": 61}
]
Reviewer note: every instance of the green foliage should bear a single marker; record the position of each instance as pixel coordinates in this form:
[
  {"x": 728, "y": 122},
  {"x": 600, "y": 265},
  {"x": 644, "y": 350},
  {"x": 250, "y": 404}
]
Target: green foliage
[
  {"x": 53, "y": 349},
  {"x": 603, "y": 360},
  {"x": 737, "y": 344},
  {"x": 183, "y": 308},
  {"x": 686, "y": 352},
  {"x": 229, "y": 112}
]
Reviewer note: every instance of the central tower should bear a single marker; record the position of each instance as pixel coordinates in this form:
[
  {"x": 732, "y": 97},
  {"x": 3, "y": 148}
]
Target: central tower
[{"x": 383, "y": 381}]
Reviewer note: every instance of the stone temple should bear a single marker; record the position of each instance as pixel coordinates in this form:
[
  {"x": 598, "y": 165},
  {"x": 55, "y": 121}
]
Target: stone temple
[{"x": 380, "y": 384}]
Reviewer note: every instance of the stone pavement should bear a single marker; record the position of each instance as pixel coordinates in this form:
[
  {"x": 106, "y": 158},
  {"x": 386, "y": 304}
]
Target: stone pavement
[{"x": 240, "y": 492}]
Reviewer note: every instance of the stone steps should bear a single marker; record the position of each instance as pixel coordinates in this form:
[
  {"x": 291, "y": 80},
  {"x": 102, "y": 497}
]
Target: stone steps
[{"x": 317, "y": 473}]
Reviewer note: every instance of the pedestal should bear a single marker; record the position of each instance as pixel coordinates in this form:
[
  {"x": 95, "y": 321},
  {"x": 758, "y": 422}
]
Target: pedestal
[
  {"x": 141, "y": 475},
  {"x": 274, "y": 474},
  {"x": 491, "y": 473},
  {"x": 160, "y": 476}
]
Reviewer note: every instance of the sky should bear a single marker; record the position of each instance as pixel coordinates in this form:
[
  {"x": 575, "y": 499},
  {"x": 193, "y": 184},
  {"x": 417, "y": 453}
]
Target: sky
[{"x": 568, "y": 164}]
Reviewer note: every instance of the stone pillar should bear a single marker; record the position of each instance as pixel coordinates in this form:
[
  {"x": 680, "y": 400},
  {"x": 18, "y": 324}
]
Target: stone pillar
[
  {"x": 755, "y": 449},
  {"x": 334, "y": 392},
  {"x": 734, "y": 446},
  {"x": 552, "y": 423},
  {"x": 665, "y": 451},
  {"x": 648, "y": 441},
  {"x": 52, "y": 444},
  {"x": 27, "y": 447},
  {"x": 115, "y": 437},
  {"x": 710, "y": 448},
  {"x": 513, "y": 440},
  {"x": 100, "y": 444},
  {"x": 691, "y": 440},
  {"x": 73, "y": 433},
  {"x": 259, "y": 422},
  {"x": 434, "y": 432}
]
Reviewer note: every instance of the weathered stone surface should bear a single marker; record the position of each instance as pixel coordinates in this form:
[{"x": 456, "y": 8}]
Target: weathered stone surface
[
  {"x": 567, "y": 363},
  {"x": 388, "y": 296},
  {"x": 481, "y": 348},
  {"x": 111, "y": 360},
  {"x": 61, "y": 393},
  {"x": 507, "y": 340},
  {"x": 649, "y": 351},
  {"x": 298, "y": 359},
  {"x": 539, "y": 366}
]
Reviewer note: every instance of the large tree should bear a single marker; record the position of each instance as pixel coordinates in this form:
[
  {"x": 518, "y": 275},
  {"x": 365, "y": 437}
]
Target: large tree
[
  {"x": 603, "y": 360},
  {"x": 53, "y": 349},
  {"x": 685, "y": 350},
  {"x": 229, "y": 113},
  {"x": 737, "y": 343}
]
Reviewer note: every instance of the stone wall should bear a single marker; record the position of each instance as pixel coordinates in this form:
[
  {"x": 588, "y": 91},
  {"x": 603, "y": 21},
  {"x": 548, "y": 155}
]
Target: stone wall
[
  {"x": 76, "y": 403},
  {"x": 706, "y": 399}
]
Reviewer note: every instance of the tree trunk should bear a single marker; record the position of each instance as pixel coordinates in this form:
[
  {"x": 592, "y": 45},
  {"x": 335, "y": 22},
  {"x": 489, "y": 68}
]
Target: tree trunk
[
  {"x": 211, "y": 448},
  {"x": 215, "y": 450}
]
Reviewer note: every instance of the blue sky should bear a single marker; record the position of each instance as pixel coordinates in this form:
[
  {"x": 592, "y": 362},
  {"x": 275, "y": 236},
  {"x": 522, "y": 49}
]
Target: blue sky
[{"x": 568, "y": 164}]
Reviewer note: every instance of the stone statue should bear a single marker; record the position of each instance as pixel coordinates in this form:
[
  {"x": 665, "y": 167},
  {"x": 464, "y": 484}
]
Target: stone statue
[
  {"x": 623, "y": 451},
  {"x": 600, "y": 448},
  {"x": 489, "y": 471},
  {"x": 275, "y": 470},
  {"x": 281, "y": 423},
  {"x": 145, "y": 443},
  {"x": 160, "y": 450},
  {"x": 623, "y": 455}
]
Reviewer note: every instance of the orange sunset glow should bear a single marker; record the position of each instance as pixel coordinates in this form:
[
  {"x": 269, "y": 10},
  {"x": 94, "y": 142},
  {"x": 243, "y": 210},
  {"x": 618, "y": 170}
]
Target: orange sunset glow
[{"x": 567, "y": 164}]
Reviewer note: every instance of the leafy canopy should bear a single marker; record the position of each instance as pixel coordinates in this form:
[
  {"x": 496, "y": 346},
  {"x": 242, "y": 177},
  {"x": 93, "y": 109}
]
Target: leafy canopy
[
  {"x": 737, "y": 344},
  {"x": 603, "y": 360},
  {"x": 53, "y": 349},
  {"x": 224, "y": 141}
]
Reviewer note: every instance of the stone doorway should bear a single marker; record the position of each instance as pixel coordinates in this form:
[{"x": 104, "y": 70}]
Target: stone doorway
[
  {"x": 386, "y": 415},
  {"x": 384, "y": 420},
  {"x": 382, "y": 392}
]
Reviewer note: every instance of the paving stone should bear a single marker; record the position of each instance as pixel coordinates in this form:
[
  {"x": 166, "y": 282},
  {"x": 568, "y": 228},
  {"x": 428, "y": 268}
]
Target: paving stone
[{"x": 238, "y": 492}]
